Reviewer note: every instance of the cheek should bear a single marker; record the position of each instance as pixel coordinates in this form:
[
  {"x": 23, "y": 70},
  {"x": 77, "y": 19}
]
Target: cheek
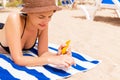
[{"x": 36, "y": 21}]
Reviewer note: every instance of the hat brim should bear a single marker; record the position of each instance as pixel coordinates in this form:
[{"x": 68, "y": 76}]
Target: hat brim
[{"x": 40, "y": 9}]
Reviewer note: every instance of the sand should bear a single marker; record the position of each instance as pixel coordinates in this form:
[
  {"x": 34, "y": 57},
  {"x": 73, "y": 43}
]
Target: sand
[{"x": 99, "y": 39}]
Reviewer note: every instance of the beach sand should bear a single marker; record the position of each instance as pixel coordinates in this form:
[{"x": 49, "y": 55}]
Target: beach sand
[{"x": 99, "y": 39}]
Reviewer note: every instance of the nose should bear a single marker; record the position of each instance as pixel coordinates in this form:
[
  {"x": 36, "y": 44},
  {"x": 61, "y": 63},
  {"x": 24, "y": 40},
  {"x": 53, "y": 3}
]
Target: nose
[{"x": 46, "y": 20}]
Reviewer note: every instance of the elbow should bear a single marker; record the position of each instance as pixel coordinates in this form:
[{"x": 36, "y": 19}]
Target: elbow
[{"x": 18, "y": 61}]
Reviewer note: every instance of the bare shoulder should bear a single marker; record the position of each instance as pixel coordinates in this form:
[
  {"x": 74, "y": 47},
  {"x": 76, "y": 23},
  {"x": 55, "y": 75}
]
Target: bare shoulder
[
  {"x": 14, "y": 23},
  {"x": 14, "y": 19},
  {"x": 13, "y": 15}
]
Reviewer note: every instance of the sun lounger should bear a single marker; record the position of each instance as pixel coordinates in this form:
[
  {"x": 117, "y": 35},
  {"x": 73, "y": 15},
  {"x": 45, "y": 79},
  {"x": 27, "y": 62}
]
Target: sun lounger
[
  {"x": 67, "y": 3},
  {"x": 100, "y": 4},
  {"x": 117, "y": 4}
]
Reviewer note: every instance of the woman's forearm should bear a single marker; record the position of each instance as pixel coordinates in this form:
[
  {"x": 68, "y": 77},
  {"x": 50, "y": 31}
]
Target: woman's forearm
[
  {"x": 34, "y": 61},
  {"x": 31, "y": 61}
]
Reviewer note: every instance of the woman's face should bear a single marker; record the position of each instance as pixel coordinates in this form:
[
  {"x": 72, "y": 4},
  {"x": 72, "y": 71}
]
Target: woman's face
[{"x": 40, "y": 20}]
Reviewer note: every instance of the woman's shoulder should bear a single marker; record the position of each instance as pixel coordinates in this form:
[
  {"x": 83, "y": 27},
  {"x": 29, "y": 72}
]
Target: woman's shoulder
[
  {"x": 14, "y": 19},
  {"x": 13, "y": 14}
]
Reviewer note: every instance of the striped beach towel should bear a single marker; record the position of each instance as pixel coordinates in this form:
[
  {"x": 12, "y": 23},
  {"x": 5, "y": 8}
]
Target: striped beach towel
[{"x": 11, "y": 71}]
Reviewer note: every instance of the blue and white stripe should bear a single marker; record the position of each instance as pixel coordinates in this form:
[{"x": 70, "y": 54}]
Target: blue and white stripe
[{"x": 11, "y": 71}]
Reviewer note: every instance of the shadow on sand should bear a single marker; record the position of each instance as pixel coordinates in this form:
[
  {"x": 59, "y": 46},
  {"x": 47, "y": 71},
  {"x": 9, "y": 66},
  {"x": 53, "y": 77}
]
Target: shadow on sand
[{"x": 109, "y": 20}]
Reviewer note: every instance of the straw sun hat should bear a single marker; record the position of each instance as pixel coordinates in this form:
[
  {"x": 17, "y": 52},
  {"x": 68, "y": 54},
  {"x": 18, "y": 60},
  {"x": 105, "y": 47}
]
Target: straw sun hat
[{"x": 34, "y": 6}]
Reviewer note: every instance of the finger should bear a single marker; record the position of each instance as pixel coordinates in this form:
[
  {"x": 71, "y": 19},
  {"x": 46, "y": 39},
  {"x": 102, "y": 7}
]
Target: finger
[
  {"x": 67, "y": 65},
  {"x": 59, "y": 52},
  {"x": 60, "y": 48},
  {"x": 71, "y": 61},
  {"x": 66, "y": 61},
  {"x": 74, "y": 63},
  {"x": 62, "y": 45},
  {"x": 69, "y": 51}
]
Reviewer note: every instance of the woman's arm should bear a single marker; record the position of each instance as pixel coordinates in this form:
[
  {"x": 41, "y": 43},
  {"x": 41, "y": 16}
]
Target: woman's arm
[
  {"x": 13, "y": 37},
  {"x": 49, "y": 57},
  {"x": 43, "y": 41}
]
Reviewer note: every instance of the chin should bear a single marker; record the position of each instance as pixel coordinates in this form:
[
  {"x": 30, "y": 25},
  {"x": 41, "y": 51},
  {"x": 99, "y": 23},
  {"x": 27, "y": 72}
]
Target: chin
[{"x": 42, "y": 28}]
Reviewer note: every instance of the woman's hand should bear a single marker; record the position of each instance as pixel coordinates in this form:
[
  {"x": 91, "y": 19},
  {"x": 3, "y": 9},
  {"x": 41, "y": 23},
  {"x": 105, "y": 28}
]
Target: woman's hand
[
  {"x": 68, "y": 51},
  {"x": 58, "y": 60},
  {"x": 62, "y": 60}
]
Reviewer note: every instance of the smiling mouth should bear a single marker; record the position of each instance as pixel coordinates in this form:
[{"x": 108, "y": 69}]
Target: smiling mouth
[{"x": 42, "y": 25}]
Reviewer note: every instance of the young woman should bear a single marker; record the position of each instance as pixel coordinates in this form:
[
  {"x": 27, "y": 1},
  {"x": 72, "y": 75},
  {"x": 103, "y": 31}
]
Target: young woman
[{"x": 21, "y": 31}]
